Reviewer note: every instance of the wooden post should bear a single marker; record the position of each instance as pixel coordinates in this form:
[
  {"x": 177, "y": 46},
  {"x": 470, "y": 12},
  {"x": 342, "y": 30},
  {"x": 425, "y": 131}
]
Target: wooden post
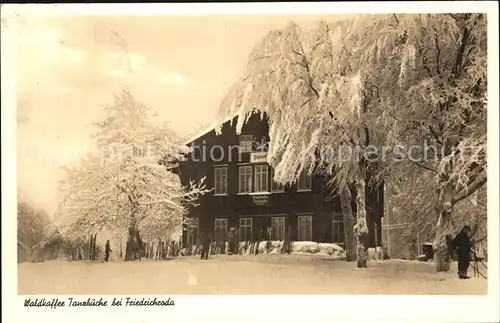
[
  {"x": 418, "y": 244},
  {"x": 121, "y": 247},
  {"x": 93, "y": 250},
  {"x": 90, "y": 247},
  {"x": 96, "y": 248}
]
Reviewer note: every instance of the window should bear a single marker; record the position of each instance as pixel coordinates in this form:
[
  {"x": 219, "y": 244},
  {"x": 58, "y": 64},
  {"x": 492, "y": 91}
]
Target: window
[
  {"x": 305, "y": 228},
  {"x": 220, "y": 229},
  {"x": 245, "y": 229},
  {"x": 278, "y": 228},
  {"x": 304, "y": 183},
  {"x": 245, "y": 176},
  {"x": 261, "y": 178},
  {"x": 220, "y": 180},
  {"x": 137, "y": 151},
  {"x": 275, "y": 187},
  {"x": 337, "y": 228},
  {"x": 246, "y": 143}
]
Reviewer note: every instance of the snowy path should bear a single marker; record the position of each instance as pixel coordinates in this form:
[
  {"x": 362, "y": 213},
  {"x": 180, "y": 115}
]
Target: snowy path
[{"x": 271, "y": 274}]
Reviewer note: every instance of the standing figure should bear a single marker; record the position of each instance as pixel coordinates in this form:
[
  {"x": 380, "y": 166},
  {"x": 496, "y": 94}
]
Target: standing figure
[
  {"x": 107, "y": 250},
  {"x": 230, "y": 241},
  {"x": 236, "y": 241},
  {"x": 205, "y": 245},
  {"x": 232, "y": 236},
  {"x": 462, "y": 244}
]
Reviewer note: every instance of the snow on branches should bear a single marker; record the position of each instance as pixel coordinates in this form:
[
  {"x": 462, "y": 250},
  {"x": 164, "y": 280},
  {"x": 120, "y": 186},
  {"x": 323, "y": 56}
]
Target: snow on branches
[
  {"x": 132, "y": 181},
  {"x": 314, "y": 103},
  {"x": 381, "y": 82},
  {"x": 411, "y": 202},
  {"x": 378, "y": 80}
]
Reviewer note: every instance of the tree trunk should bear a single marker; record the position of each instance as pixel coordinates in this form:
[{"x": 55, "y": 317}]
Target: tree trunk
[
  {"x": 361, "y": 228},
  {"x": 134, "y": 248},
  {"x": 412, "y": 250},
  {"x": 140, "y": 244},
  {"x": 158, "y": 250},
  {"x": 350, "y": 243},
  {"x": 130, "y": 253},
  {"x": 442, "y": 242}
]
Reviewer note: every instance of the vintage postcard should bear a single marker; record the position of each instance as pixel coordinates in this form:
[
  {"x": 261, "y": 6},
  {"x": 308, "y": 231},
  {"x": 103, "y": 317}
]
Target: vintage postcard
[{"x": 270, "y": 161}]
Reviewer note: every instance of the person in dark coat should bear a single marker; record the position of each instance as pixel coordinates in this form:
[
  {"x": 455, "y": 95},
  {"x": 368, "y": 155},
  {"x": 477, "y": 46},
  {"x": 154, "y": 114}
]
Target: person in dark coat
[
  {"x": 462, "y": 245},
  {"x": 107, "y": 250},
  {"x": 230, "y": 238},
  {"x": 236, "y": 241},
  {"x": 205, "y": 245}
]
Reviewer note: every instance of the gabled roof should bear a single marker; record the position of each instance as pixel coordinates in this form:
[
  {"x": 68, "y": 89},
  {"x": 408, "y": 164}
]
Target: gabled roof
[
  {"x": 206, "y": 131},
  {"x": 213, "y": 126}
]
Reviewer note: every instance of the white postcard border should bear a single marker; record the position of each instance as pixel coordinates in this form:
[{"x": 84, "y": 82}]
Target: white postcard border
[{"x": 300, "y": 308}]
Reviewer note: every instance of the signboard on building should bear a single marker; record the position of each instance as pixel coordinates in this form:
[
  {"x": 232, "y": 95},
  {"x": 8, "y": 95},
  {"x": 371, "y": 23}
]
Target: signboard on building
[
  {"x": 258, "y": 157},
  {"x": 260, "y": 199},
  {"x": 260, "y": 154},
  {"x": 192, "y": 222}
]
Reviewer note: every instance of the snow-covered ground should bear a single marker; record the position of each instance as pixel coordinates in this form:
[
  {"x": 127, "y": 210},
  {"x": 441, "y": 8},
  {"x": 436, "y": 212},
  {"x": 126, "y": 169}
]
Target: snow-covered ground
[{"x": 222, "y": 274}]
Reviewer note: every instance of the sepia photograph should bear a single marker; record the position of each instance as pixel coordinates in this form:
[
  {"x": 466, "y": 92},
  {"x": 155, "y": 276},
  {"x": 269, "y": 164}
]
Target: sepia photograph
[{"x": 250, "y": 154}]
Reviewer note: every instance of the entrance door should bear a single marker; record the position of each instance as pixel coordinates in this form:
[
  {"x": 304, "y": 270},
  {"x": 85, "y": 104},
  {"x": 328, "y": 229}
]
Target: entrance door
[
  {"x": 262, "y": 226},
  {"x": 192, "y": 236}
]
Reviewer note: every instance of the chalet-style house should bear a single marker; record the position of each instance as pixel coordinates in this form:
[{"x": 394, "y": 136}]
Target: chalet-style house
[{"x": 245, "y": 196}]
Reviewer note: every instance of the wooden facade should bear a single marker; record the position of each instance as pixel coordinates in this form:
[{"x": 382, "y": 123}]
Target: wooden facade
[{"x": 247, "y": 199}]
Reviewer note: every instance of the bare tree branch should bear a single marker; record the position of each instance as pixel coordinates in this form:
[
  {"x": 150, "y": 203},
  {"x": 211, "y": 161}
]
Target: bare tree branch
[
  {"x": 425, "y": 167},
  {"x": 435, "y": 134}
]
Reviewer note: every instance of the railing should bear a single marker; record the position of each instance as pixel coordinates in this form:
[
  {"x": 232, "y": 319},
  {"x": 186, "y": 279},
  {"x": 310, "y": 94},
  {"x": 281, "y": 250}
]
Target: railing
[
  {"x": 223, "y": 246},
  {"x": 478, "y": 263}
]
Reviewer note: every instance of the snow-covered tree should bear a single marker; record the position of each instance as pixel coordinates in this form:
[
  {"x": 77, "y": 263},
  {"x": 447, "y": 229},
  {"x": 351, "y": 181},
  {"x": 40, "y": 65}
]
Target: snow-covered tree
[
  {"x": 383, "y": 81},
  {"x": 319, "y": 112},
  {"x": 131, "y": 184},
  {"x": 32, "y": 229},
  {"x": 411, "y": 203},
  {"x": 438, "y": 99}
]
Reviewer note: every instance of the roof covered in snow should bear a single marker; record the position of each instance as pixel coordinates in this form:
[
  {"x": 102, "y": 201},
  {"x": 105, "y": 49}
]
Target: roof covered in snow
[{"x": 206, "y": 131}]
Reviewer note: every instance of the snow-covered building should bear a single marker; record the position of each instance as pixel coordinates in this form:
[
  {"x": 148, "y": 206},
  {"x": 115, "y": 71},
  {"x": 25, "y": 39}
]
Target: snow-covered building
[{"x": 245, "y": 196}]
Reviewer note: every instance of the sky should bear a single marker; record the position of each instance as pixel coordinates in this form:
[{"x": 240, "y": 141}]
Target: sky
[{"x": 68, "y": 68}]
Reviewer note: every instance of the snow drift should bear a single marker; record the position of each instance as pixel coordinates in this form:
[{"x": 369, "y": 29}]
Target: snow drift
[{"x": 275, "y": 247}]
